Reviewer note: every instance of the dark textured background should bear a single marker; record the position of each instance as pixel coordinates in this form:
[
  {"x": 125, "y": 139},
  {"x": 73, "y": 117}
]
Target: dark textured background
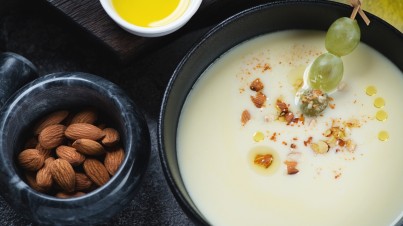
[{"x": 53, "y": 44}]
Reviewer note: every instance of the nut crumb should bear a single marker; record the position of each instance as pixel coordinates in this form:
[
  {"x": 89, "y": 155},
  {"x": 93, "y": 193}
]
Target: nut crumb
[
  {"x": 320, "y": 147},
  {"x": 274, "y": 137},
  {"x": 308, "y": 141}
]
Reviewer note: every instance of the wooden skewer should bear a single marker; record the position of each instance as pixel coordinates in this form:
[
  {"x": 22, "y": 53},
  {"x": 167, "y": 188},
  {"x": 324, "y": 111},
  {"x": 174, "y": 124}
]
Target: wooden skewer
[{"x": 357, "y": 8}]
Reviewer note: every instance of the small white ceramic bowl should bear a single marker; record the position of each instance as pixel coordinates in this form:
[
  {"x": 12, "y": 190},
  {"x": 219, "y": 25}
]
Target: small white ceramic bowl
[{"x": 151, "y": 31}]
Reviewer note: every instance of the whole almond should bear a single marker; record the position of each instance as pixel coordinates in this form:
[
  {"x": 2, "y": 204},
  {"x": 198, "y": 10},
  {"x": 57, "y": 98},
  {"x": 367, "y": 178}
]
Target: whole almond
[
  {"x": 63, "y": 174},
  {"x": 52, "y": 119},
  {"x": 88, "y": 147},
  {"x": 43, "y": 151},
  {"x": 70, "y": 154},
  {"x": 111, "y": 138},
  {"x": 83, "y": 182},
  {"x": 85, "y": 116},
  {"x": 30, "y": 179},
  {"x": 31, "y": 159},
  {"x": 44, "y": 177},
  {"x": 52, "y": 136},
  {"x": 113, "y": 160},
  {"x": 84, "y": 130},
  {"x": 48, "y": 161},
  {"x": 96, "y": 171},
  {"x": 64, "y": 195}
]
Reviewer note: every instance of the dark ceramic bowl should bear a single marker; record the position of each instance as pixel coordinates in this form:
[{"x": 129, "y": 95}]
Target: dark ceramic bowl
[
  {"x": 276, "y": 16},
  {"x": 69, "y": 91}
]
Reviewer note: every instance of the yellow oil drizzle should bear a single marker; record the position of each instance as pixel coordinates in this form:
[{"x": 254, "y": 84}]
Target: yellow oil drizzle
[
  {"x": 379, "y": 102},
  {"x": 150, "y": 13},
  {"x": 258, "y": 136},
  {"x": 263, "y": 150},
  {"x": 370, "y": 90},
  {"x": 381, "y": 115},
  {"x": 383, "y": 136}
]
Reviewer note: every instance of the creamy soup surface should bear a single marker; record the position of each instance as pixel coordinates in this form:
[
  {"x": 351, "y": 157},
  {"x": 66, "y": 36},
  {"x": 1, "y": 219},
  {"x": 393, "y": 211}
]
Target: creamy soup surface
[{"x": 358, "y": 181}]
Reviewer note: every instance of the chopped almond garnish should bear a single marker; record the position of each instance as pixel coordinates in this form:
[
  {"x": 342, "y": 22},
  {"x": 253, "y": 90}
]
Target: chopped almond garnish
[
  {"x": 306, "y": 142},
  {"x": 274, "y": 137},
  {"x": 245, "y": 117},
  {"x": 289, "y": 117},
  {"x": 259, "y": 99},
  {"x": 320, "y": 147},
  {"x": 266, "y": 67},
  {"x": 264, "y": 160},
  {"x": 341, "y": 142},
  {"x": 256, "y": 85},
  {"x": 291, "y": 167},
  {"x": 282, "y": 107}
]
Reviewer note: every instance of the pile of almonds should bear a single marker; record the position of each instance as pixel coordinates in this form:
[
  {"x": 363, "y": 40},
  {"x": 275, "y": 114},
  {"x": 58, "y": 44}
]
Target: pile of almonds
[{"x": 70, "y": 154}]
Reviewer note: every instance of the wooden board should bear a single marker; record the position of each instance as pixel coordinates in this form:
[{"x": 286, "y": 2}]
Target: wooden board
[{"x": 90, "y": 16}]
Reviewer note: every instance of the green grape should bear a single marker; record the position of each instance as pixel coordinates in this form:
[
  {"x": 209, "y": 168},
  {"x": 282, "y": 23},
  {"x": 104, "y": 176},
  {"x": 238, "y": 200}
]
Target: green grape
[
  {"x": 343, "y": 36},
  {"x": 326, "y": 72}
]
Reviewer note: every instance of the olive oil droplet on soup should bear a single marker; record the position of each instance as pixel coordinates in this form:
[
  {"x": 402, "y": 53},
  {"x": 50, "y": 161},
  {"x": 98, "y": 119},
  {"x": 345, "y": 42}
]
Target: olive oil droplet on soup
[{"x": 258, "y": 157}]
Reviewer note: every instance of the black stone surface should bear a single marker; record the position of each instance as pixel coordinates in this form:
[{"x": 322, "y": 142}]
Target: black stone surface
[
  {"x": 54, "y": 45},
  {"x": 15, "y": 71}
]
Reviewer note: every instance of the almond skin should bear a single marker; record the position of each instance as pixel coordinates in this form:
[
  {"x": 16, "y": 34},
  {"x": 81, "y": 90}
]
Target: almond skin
[
  {"x": 43, "y": 151},
  {"x": 85, "y": 116},
  {"x": 256, "y": 85},
  {"x": 88, "y": 147},
  {"x": 52, "y": 119},
  {"x": 70, "y": 154},
  {"x": 259, "y": 99},
  {"x": 31, "y": 159},
  {"x": 44, "y": 177},
  {"x": 30, "y": 178},
  {"x": 245, "y": 117},
  {"x": 63, "y": 174},
  {"x": 96, "y": 171},
  {"x": 113, "y": 160},
  {"x": 83, "y": 130},
  {"x": 291, "y": 167},
  {"x": 111, "y": 138},
  {"x": 64, "y": 195},
  {"x": 83, "y": 182},
  {"x": 52, "y": 136}
]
